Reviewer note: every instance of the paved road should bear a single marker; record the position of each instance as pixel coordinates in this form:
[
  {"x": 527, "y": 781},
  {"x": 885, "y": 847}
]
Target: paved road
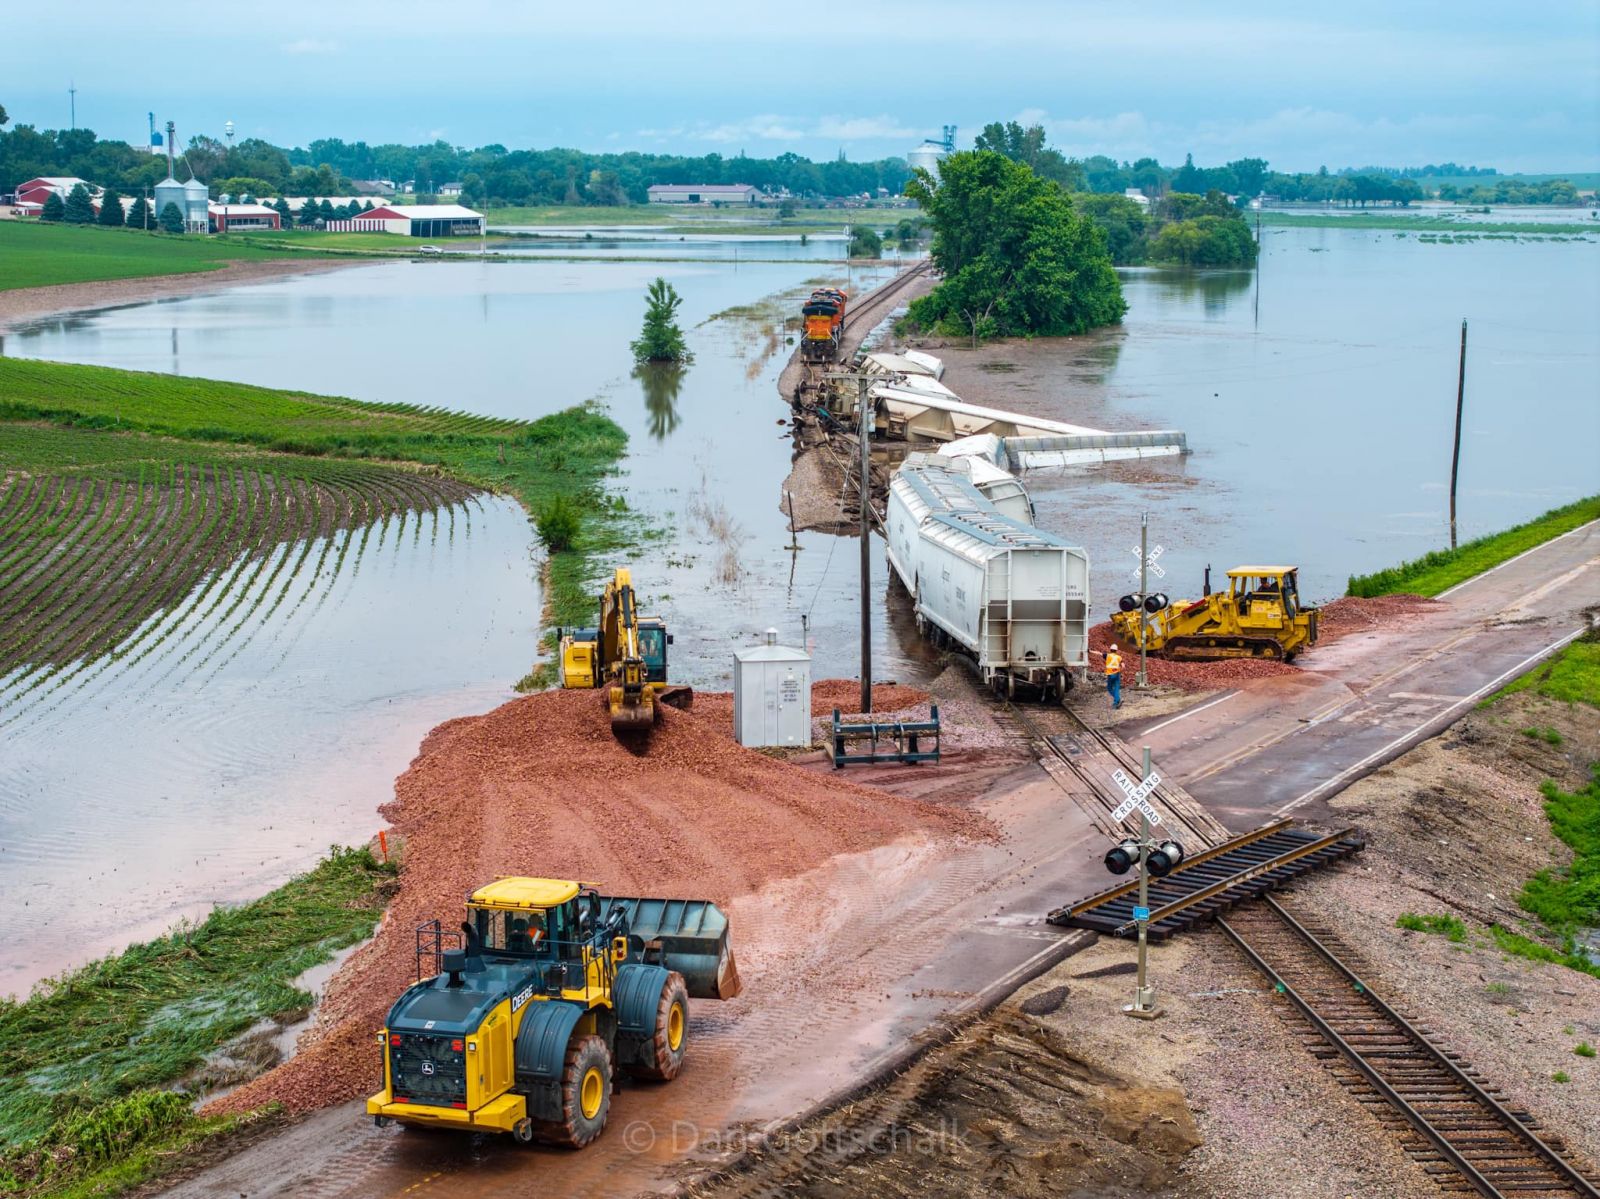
[{"x": 1286, "y": 744}]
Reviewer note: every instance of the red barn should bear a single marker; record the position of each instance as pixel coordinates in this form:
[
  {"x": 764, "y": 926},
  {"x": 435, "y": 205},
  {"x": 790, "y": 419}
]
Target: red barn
[{"x": 241, "y": 218}]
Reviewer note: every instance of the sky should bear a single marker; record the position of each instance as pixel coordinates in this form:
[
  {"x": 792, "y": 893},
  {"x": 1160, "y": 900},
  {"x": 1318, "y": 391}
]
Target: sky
[{"x": 1362, "y": 82}]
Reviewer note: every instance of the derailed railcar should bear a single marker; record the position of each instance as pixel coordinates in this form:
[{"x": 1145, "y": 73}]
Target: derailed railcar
[{"x": 1013, "y": 597}]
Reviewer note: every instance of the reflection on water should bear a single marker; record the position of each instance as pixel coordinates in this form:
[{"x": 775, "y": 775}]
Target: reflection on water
[
  {"x": 260, "y": 720},
  {"x": 1211, "y": 289},
  {"x": 661, "y": 382}
]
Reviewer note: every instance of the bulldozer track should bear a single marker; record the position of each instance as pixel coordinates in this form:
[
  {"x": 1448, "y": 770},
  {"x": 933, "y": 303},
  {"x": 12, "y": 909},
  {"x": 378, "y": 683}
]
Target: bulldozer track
[
  {"x": 1081, "y": 759},
  {"x": 1457, "y": 1127},
  {"x": 1210, "y": 882}
]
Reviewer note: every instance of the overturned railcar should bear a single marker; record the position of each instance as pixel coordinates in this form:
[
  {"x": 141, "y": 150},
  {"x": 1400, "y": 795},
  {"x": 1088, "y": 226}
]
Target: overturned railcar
[{"x": 982, "y": 578}]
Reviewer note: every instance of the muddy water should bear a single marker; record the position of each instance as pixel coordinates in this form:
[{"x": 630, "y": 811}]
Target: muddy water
[
  {"x": 221, "y": 752},
  {"x": 1320, "y": 413}
]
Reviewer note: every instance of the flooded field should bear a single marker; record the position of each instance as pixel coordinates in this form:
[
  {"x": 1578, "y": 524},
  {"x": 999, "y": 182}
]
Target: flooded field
[{"x": 230, "y": 738}]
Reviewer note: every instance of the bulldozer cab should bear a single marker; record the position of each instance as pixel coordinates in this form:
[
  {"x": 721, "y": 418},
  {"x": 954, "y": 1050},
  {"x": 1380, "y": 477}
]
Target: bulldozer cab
[{"x": 1264, "y": 595}]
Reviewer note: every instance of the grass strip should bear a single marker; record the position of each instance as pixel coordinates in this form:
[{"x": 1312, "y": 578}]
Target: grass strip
[
  {"x": 146, "y": 1017},
  {"x": 1440, "y": 570},
  {"x": 1455, "y": 223},
  {"x": 39, "y": 255}
]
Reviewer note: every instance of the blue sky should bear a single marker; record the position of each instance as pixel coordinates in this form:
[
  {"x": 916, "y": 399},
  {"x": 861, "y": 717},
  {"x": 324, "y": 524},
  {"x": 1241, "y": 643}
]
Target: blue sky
[{"x": 1510, "y": 85}]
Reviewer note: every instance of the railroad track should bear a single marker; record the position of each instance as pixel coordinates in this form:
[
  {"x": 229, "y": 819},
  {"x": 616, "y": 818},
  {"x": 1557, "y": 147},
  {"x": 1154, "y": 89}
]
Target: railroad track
[
  {"x": 1210, "y": 882},
  {"x": 1075, "y": 752},
  {"x": 1459, "y": 1129}
]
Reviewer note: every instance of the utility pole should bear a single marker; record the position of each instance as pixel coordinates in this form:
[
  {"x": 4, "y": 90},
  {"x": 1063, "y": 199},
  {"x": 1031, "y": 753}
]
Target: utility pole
[
  {"x": 1455, "y": 455},
  {"x": 1144, "y": 618},
  {"x": 1258, "y": 269},
  {"x": 864, "y": 433},
  {"x": 1143, "y": 998}
]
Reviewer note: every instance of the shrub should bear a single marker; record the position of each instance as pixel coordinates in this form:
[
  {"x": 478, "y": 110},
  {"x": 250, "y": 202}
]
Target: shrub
[
  {"x": 559, "y": 523},
  {"x": 1583, "y": 1049},
  {"x": 1447, "y": 926}
]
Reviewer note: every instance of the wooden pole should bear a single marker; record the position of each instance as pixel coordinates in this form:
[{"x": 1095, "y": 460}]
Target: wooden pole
[
  {"x": 864, "y": 414},
  {"x": 1455, "y": 455}
]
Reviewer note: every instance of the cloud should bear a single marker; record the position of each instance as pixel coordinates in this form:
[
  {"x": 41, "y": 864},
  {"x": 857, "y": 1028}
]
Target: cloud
[
  {"x": 311, "y": 45},
  {"x": 853, "y": 129},
  {"x": 774, "y": 127}
]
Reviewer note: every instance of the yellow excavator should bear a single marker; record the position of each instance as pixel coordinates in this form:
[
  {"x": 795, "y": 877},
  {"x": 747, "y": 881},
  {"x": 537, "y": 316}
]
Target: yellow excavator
[
  {"x": 626, "y": 655},
  {"x": 1259, "y": 616}
]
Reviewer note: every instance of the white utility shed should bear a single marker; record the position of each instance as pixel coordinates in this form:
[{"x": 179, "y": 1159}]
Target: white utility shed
[{"x": 772, "y": 694}]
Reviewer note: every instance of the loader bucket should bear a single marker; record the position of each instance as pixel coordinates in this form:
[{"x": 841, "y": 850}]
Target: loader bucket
[{"x": 686, "y": 935}]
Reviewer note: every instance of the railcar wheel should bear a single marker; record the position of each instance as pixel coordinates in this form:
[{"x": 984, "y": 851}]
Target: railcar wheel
[{"x": 663, "y": 1054}]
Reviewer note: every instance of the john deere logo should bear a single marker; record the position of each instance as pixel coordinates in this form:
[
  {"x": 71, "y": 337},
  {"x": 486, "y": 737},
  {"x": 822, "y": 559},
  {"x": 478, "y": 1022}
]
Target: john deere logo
[{"x": 427, "y": 1067}]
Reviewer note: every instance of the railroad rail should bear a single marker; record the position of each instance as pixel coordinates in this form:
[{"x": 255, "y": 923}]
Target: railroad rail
[
  {"x": 1081, "y": 759},
  {"x": 1212, "y": 881},
  {"x": 1458, "y": 1129}
]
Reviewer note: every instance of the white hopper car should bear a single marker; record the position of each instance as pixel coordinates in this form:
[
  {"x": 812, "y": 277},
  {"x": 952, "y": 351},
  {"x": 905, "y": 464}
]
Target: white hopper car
[{"x": 981, "y": 576}]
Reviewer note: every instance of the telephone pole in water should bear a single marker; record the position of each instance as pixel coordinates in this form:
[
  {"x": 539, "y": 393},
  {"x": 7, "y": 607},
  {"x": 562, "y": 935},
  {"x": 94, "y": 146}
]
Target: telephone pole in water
[{"x": 1455, "y": 455}]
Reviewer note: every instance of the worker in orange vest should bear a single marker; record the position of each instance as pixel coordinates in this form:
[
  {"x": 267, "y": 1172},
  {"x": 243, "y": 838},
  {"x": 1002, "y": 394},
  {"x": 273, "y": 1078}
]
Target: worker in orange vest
[{"x": 1114, "y": 676}]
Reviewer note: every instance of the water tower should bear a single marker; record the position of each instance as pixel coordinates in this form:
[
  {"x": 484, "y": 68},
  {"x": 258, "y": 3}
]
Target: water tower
[{"x": 156, "y": 145}]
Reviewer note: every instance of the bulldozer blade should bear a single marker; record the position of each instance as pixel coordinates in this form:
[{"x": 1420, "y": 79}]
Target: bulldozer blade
[{"x": 686, "y": 935}]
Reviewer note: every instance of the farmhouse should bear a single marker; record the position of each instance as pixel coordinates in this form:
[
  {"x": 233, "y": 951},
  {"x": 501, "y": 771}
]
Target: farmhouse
[
  {"x": 703, "y": 193},
  {"x": 37, "y": 191},
  {"x": 415, "y": 220},
  {"x": 239, "y": 218}
]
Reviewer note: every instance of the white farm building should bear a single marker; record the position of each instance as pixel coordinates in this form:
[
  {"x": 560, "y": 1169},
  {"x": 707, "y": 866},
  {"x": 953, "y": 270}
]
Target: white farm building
[
  {"x": 415, "y": 220},
  {"x": 704, "y": 193}
]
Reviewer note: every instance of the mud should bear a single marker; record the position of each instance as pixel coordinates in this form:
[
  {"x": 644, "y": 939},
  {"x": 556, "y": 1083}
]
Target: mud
[
  {"x": 1011, "y": 1107},
  {"x": 540, "y": 786}
]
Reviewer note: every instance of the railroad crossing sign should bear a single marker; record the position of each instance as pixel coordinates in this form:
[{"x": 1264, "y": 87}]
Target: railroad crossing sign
[
  {"x": 1149, "y": 561},
  {"x": 1137, "y": 794}
]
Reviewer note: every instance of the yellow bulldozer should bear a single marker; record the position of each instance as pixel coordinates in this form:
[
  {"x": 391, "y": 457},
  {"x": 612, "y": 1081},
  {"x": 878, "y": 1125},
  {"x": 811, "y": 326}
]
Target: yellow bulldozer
[
  {"x": 626, "y": 654},
  {"x": 1259, "y": 615},
  {"x": 519, "y": 1020}
]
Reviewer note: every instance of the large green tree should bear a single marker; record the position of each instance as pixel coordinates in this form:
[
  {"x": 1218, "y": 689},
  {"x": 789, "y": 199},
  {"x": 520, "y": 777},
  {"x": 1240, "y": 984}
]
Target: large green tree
[
  {"x": 661, "y": 340},
  {"x": 139, "y": 214},
  {"x": 111, "y": 208},
  {"x": 80, "y": 206},
  {"x": 171, "y": 219},
  {"x": 54, "y": 209},
  {"x": 1016, "y": 258}
]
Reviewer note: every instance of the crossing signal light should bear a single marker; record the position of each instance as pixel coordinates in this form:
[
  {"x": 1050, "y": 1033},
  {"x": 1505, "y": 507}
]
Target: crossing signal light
[
  {"x": 1123, "y": 857},
  {"x": 1164, "y": 858}
]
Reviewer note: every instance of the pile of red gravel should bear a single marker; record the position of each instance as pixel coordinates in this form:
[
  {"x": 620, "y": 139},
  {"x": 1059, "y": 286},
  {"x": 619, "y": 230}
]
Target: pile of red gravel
[
  {"x": 1338, "y": 619},
  {"x": 540, "y": 786}
]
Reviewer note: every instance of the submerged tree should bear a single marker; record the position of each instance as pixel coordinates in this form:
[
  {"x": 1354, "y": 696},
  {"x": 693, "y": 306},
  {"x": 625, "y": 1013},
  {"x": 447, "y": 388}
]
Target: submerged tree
[
  {"x": 865, "y": 243},
  {"x": 661, "y": 340},
  {"x": 1016, "y": 258}
]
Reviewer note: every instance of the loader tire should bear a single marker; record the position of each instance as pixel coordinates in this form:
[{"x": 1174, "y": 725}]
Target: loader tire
[
  {"x": 661, "y": 1057},
  {"x": 585, "y": 1094}
]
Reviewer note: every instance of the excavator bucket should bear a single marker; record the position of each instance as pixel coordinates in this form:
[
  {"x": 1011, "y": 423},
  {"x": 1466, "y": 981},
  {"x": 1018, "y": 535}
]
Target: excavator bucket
[{"x": 686, "y": 935}]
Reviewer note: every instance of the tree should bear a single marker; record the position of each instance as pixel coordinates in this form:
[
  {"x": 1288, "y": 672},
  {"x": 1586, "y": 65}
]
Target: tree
[
  {"x": 1124, "y": 223},
  {"x": 111, "y": 209},
  {"x": 79, "y": 207},
  {"x": 865, "y": 243},
  {"x": 285, "y": 213},
  {"x": 1205, "y": 241},
  {"x": 1010, "y": 246},
  {"x": 1188, "y": 177},
  {"x": 661, "y": 340},
  {"x": 139, "y": 214},
  {"x": 308, "y": 214},
  {"x": 54, "y": 209},
  {"x": 171, "y": 219},
  {"x": 787, "y": 208},
  {"x": 325, "y": 210}
]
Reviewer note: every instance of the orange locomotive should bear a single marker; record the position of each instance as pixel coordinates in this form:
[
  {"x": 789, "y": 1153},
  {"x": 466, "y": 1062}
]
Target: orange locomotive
[{"x": 824, "y": 314}]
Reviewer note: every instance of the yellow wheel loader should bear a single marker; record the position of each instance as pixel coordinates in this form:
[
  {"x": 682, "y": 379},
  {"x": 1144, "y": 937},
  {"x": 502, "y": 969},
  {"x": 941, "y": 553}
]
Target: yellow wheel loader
[
  {"x": 626, "y": 655},
  {"x": 547, "y": 991},
  {"x": 1258, "y": 616}
]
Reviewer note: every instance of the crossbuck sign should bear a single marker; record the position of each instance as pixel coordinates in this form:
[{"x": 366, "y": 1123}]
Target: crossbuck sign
[{"x": 1138, "y": 796}]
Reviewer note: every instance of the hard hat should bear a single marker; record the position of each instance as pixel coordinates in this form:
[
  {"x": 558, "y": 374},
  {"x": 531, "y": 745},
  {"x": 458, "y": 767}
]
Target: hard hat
[{"x": 1113, "y": 649}]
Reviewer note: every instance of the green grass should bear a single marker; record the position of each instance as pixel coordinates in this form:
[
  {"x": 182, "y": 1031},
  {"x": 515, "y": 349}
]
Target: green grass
[
  {"x": 1559, "y": 223},
  {"x": 1549, "y": 736},
  {"x": 1561, "y": 1076},
  {"x": 1572, "y": 676},
  {"x": 1583, "y": 1049},
  {"x": 1442, "y": 569},
  {"x": 36, "y": 255},
  {"x": 683, "y": 219},
  {"x": 146, "y": 1017},
  {"x": 1567, "y": 899},
  {"x": 1446, "y": 926}
]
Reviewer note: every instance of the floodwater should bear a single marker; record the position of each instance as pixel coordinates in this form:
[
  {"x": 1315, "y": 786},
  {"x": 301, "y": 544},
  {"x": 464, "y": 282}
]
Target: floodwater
[
  {"x": 1321, "y": 422},
  {"x": 708, "y": 449},
  {"x": 818, "y": 247},
  {"x": 227, "y": 753}
]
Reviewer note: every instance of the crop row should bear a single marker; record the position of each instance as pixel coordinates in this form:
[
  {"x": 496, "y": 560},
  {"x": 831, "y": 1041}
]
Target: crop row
[{"x": 95, "y": 570}]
